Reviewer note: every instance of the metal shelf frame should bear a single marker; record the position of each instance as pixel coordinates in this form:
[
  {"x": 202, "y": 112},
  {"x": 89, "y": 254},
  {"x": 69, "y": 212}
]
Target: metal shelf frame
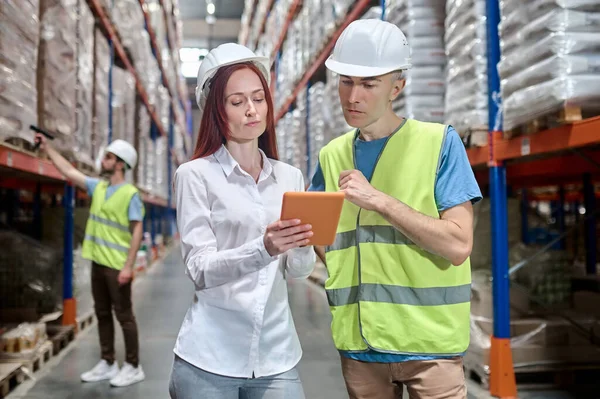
[{"x": 32, "y": 172}]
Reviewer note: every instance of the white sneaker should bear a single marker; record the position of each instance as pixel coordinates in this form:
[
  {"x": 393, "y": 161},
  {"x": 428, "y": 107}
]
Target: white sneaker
[
  {"x": 102, "y": 371},
  {"x": 128, "y": 375}
]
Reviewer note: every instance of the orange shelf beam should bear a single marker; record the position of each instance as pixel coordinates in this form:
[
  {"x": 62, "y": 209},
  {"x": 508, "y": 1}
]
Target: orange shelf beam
[
  {"x": 574, "y": 135},
  {"x": 24, "y": 162},
  {"x": 288, "y": 20},
  {"x": 110, "y": 30},
  {"x": 478, "y": 155},
  {"x": 358, "y": 9},
  {"x": 578, "y": 134}
]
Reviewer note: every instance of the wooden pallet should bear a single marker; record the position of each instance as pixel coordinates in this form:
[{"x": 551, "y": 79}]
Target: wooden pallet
[
  {"x": 85, "y": 321},
  {"x": 34, "y": 361},
  {"x": 60, "y": 336},
  {"x": 19, "y": 144},
  {"x": 477, "y": 137},
  {"x": 11, "y": 375},
  {"x": 564, "y": 116}
]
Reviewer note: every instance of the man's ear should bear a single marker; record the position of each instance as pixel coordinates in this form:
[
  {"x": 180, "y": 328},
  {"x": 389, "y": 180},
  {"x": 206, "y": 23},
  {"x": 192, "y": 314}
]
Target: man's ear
[{"x": 397, "y": 87}]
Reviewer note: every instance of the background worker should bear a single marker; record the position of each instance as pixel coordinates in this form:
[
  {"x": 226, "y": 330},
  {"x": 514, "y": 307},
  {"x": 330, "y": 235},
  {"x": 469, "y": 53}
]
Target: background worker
[
  {"x": 399, "y": 271},
  {"x": 113, "y": 236}
]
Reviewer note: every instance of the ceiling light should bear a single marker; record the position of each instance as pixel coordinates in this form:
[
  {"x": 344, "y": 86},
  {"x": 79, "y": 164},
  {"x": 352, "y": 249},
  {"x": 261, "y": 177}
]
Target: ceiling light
[
  {"x": 190, "y": 54},
  {"x": 210, "y": 8}
]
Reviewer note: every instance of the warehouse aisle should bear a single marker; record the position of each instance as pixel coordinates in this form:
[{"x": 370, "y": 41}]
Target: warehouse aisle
[{"x": 161, "y": 300}]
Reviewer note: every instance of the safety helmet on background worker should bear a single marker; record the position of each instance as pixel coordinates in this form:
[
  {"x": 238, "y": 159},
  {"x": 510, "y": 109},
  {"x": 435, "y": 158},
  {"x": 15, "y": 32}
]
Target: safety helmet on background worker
[
  {"x": 368, "y": 48},
  {"x": 226, "y": 54},
  {"x": 124, "y": 151}
]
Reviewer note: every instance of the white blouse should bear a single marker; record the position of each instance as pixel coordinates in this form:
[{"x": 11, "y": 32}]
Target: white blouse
[{"x": 240, "y": 322}]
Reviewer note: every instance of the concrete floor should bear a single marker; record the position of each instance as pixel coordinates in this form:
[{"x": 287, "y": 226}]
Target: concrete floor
[{"x": 161, "y": 298}]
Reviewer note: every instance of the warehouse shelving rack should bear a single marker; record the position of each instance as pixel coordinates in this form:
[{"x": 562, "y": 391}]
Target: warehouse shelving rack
[
  {"x": 556, "y": 157},
  {"x": 27, "y": 171}
]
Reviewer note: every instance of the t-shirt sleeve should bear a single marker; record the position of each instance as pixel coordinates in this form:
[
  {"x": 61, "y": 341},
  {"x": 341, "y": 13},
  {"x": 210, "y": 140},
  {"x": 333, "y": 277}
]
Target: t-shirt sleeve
[
  {"x": 90, "y": 184},
  {"x": 318, "y": 180},
  {"x": 136, "y": 209},
  {"x": 456, "y": 181}
]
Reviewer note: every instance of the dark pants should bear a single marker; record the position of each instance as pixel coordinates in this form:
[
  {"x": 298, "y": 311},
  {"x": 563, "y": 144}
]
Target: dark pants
[{"x": 108, "y": 295}]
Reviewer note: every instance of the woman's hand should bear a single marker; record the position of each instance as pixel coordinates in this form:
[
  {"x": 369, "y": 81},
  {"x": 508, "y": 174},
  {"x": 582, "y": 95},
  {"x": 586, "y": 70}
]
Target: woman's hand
[{"x": 284, "y": 235}]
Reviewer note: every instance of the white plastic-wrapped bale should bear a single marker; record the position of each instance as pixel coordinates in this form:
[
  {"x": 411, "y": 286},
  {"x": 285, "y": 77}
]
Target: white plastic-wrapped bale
[
  {"x": 19, "y": 37},
  {"x": 317, "y": 124},
  {"x": 550, "y": 59},
  {"x": 422, "y": 21},
  {"x": 143, "y": 136},
  {"x": 162, "y": 183},
  {"x": 123, "y": 105},
  {"x": 56, "y": 73},
  {"x": 100, "y": 102},
  {"x": 466, "y": 79},
  {"x": 85, "y": 84}
]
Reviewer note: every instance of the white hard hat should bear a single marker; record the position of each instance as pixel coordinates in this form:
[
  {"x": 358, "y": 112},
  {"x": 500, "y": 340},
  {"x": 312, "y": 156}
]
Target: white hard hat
[
  {"x": 370, "y": 47},
  {"x": 123, "y": 150},
  {"x": 226, "y": 54}
]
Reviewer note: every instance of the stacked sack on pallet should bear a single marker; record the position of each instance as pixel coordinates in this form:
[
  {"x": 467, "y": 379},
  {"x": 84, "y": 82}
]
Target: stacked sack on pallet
[
  {"x": 422, "y": 21},
  {"x": 100, "y": 108},
  {"x": 550, "y": 57},
  {"x": 145, "y": 158},
  {"x": 19, "y": 37},
  {"x": 85, "y": 84},
  {"x": 56, "y": 73},
  {"x": 466, "y": 105}
]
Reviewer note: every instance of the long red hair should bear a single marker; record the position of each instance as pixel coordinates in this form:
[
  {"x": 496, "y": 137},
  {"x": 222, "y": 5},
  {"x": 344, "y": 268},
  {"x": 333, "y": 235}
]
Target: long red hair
[{"x": 214, "y": 129}]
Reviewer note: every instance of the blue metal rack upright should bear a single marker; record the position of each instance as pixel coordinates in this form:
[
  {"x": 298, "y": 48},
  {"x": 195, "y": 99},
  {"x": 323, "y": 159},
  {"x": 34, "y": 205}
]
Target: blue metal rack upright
[{"x": 502, "y": 378}]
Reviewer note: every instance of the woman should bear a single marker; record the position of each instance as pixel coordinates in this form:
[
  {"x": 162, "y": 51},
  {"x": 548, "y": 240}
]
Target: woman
[{"x": 238, "y": 338}]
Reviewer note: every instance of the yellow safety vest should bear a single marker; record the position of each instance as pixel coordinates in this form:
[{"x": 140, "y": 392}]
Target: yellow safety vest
[
  {"x": 107, "y": 236},
  {"x": 385, "y": 293}
]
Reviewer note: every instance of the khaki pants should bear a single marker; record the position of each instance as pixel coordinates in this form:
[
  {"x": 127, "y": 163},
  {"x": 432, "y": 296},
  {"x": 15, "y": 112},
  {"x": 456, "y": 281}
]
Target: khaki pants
[
  {"x": 108, "y": 294},
  {"x": 428, "y": 379}
]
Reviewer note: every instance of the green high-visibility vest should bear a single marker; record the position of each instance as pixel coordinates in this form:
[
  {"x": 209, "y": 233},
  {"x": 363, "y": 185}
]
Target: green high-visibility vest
[
  {"x": 107, "y": 236},
  {"x": 385, "y": 293}
]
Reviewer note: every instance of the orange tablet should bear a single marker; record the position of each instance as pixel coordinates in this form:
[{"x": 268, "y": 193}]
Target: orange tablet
[{"x": 321, "y": 210}]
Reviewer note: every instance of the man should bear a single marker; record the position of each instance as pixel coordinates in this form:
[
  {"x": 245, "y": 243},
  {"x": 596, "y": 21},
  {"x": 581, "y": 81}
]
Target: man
[
  {"x": 112, "y": 238},
  {"x": 399, "y": 271}
]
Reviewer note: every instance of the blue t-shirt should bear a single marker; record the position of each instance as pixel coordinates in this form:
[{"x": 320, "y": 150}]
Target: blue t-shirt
[
  {"x": 136, "y": 207},
  {"x": 455, "y": 185}
]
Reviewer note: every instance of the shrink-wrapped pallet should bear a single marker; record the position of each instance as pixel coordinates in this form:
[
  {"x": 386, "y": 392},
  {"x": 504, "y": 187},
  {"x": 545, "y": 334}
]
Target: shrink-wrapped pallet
[
  {"x": 19, "y": 37},
  {"x": 101, "y": 104},
  {"x": 422, "y": 22},
  {"x": 123, "y": 105},
  {"x": 85, "y": 84},
  {"x": 550, "y": 59},
  {"x": 57, "y": 74},
  {"x": 466, "y": 101},
  {"x": 142, "y": 136}
]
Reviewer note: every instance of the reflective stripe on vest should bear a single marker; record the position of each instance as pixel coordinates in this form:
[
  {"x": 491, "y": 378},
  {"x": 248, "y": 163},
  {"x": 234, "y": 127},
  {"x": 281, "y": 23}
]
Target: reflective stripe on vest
[
  {"x": 107, "y": 236},
  {"x": 386, "y": 293}
]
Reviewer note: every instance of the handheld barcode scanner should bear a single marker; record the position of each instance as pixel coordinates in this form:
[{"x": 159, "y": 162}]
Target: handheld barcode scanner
[{"x": 42, "y": 131}]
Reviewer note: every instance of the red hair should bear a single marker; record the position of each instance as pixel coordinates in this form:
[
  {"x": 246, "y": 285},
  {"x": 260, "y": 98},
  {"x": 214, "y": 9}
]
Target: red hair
[{"x": 214, "y": 130}]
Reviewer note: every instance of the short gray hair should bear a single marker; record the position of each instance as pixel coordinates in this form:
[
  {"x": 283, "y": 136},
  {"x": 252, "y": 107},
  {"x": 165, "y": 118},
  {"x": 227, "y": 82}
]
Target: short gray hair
[{"x": 398, "y": 75}]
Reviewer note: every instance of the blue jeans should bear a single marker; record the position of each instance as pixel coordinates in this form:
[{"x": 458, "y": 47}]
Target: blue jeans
[{"x": 190, "y": 382}]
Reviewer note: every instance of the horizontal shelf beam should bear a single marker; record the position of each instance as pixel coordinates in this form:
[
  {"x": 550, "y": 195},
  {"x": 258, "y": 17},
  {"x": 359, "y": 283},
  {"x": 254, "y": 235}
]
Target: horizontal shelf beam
[
  {"x": 14, "y": 159},
  {"x": 358, "y": 9},
  {"x": 575, "y": 135}
]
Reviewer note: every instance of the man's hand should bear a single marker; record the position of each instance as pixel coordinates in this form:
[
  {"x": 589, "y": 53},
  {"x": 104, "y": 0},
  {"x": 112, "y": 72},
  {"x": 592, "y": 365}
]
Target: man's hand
[
  {"x": 40, "y": 138},
  {"x": 125, "y": 275},
  {"x": 358, "y": 190}
]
